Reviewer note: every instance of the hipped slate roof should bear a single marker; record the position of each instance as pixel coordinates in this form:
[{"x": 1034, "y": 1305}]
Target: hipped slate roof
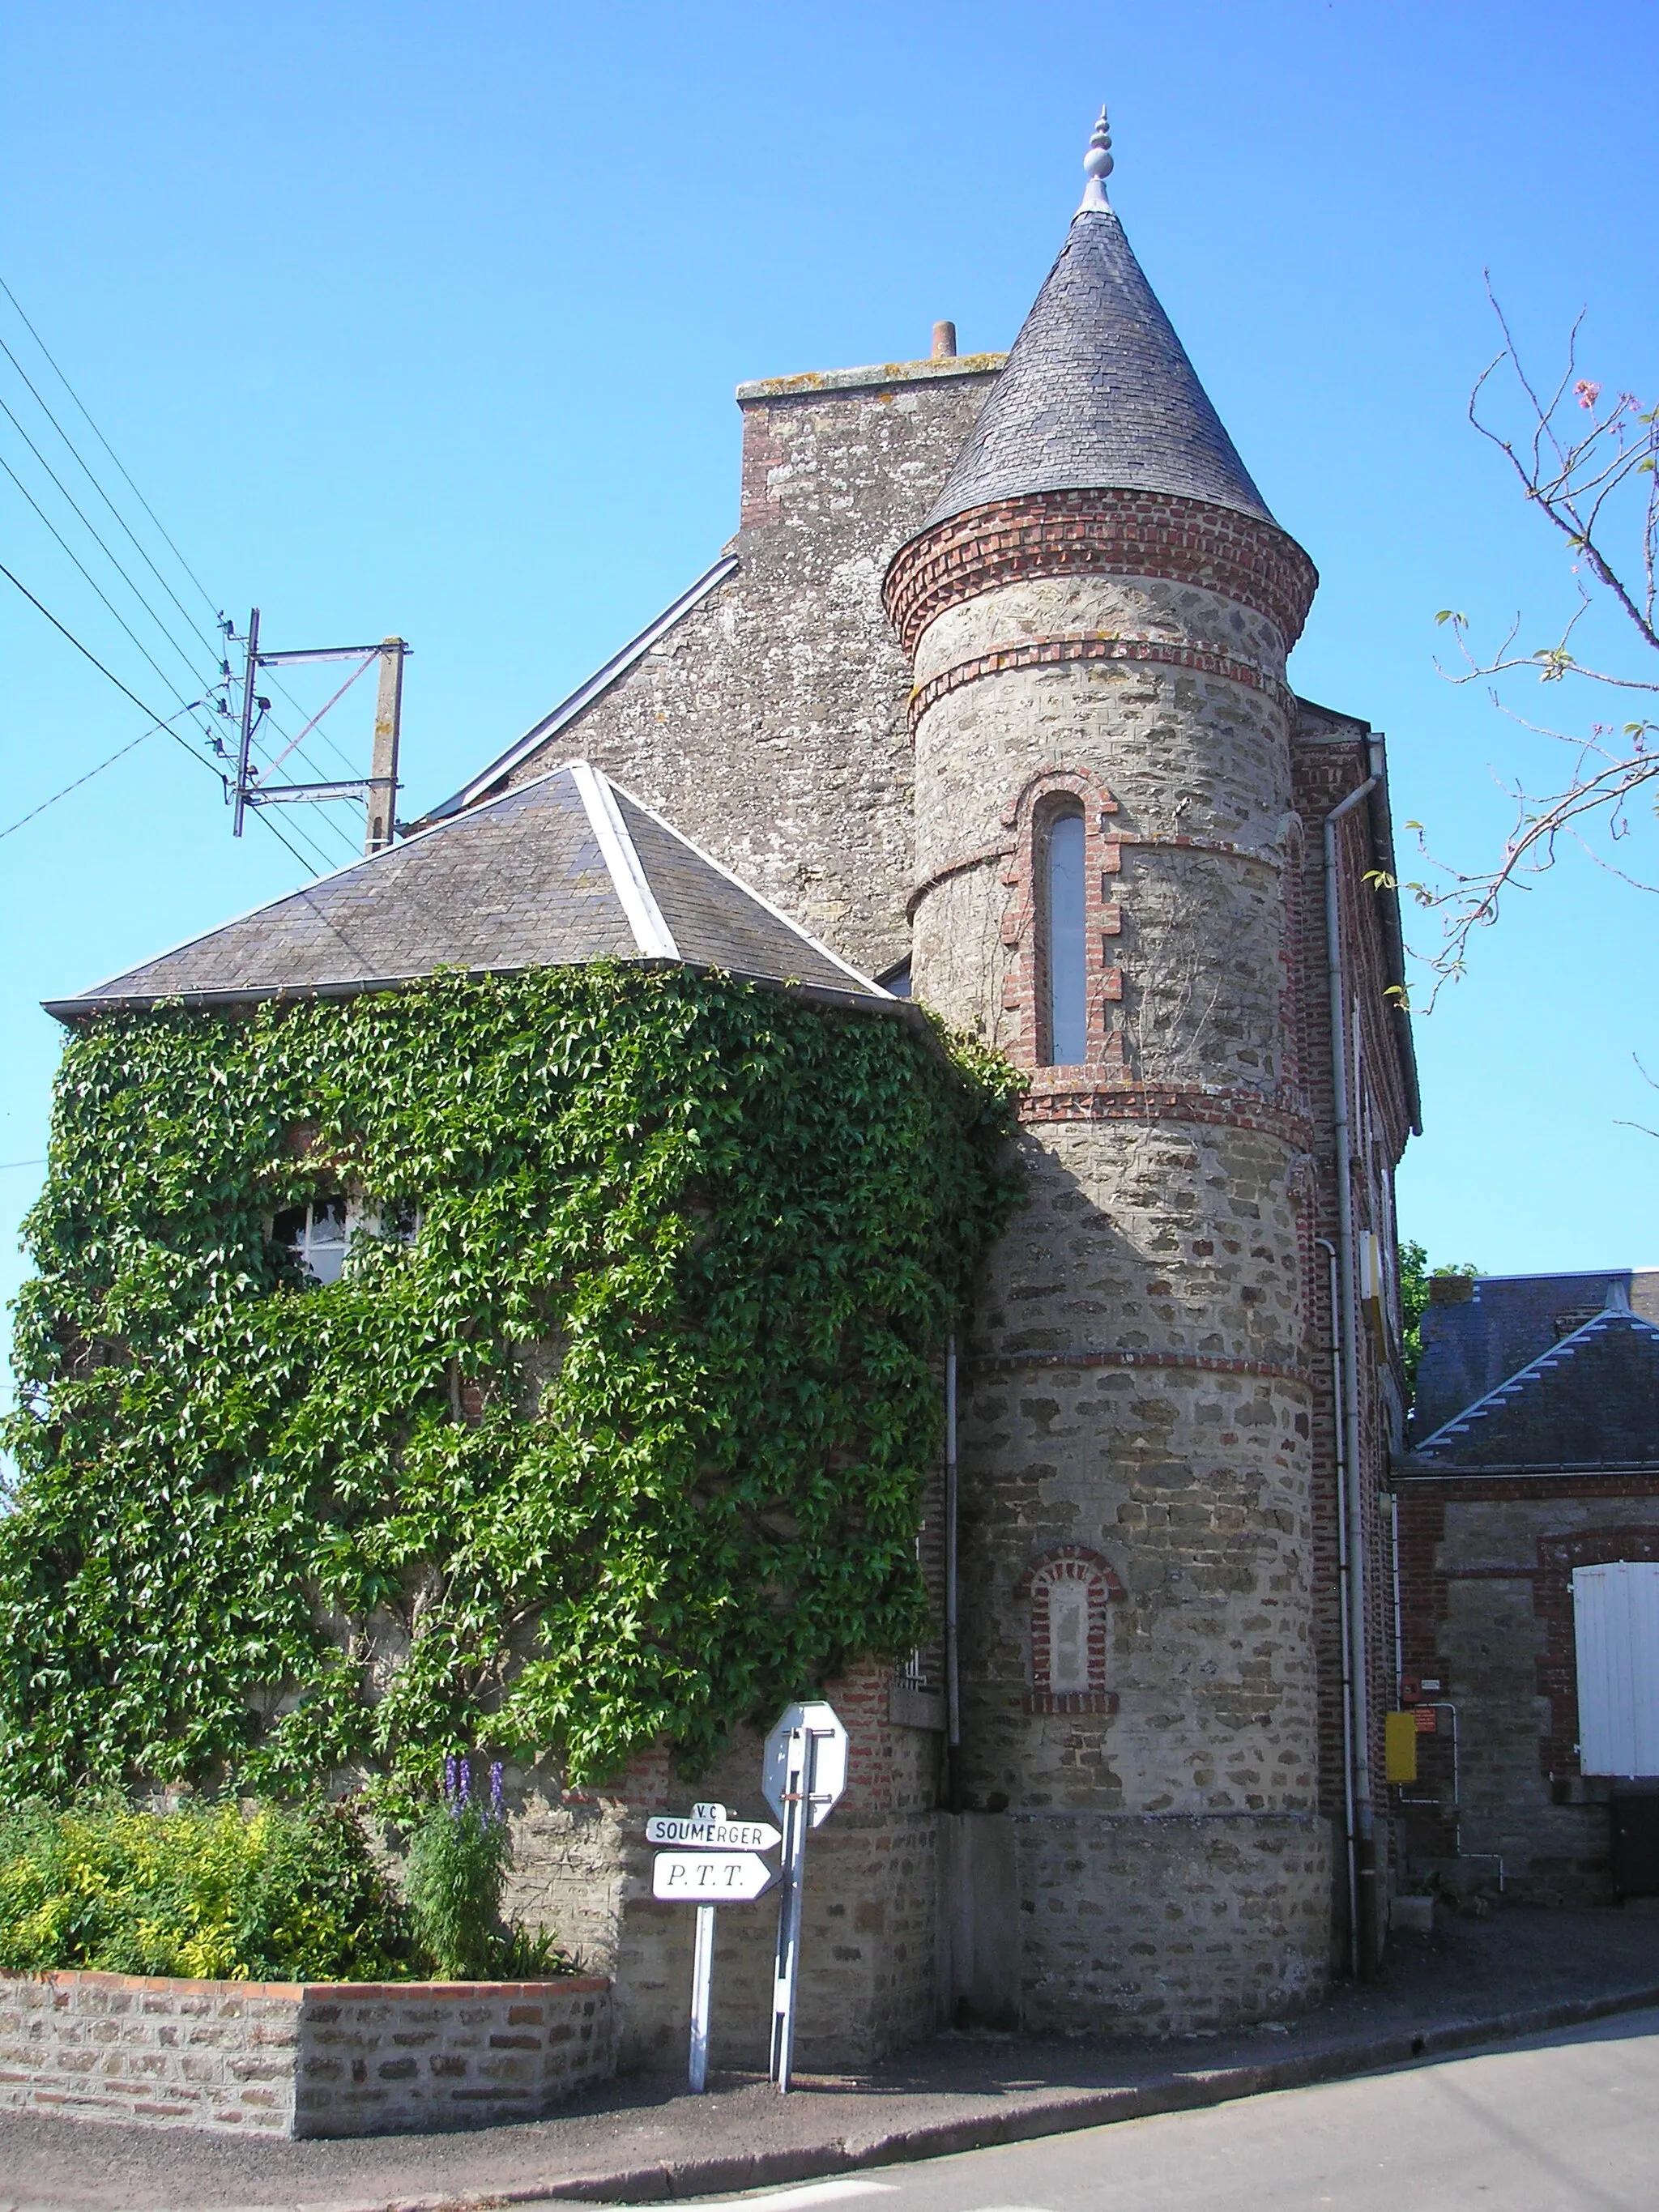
[
  {"x": 1501, "y": 1323},
  {"x": 563, "y": 870},
  {"x": 1097, "y": 394},
  {"x": 1592, "y": 1401}
]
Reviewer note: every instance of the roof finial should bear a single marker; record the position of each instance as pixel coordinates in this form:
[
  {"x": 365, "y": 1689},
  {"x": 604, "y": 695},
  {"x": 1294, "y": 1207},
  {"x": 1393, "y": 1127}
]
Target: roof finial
[{"x": 1098, "y": 166}]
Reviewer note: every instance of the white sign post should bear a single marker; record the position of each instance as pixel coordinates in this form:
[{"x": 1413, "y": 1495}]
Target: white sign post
[
  {"x": 803, "y": 1774},
  {"x": 721, "y": 1869}
]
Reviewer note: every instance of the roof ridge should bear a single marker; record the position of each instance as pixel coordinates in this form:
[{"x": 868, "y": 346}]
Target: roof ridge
[
  {"x": 826, "y": 951},
  {"x": 1556, "y": 1355},
  {"x": 646, "y": 919}
]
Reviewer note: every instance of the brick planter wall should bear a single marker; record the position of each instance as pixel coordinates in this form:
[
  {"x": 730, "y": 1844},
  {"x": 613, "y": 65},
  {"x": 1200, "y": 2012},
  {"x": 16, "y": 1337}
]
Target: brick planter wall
[{"x": 295, "y": 2059}]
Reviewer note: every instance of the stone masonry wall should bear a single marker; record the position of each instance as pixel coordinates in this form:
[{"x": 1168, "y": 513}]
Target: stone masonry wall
[
  {"x": 769, "y": 723},
  {"x": 1136, "y": 1386},
  {"x": 582, "y": 1867},
  {"x": 298, "y": 2058},
  {"x": 1329, "y": 759},
  {"x": 1487, "y": 1598}
]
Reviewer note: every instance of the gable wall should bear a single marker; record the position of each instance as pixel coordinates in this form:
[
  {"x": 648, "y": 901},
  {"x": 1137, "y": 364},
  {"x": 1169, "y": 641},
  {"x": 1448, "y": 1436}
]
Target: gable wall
[{"x": 769, "y": 723}]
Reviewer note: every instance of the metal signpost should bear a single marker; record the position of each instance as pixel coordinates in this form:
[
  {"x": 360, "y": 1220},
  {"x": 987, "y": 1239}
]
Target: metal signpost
[
  {"x": 804, "y": 1775},
  {"x": 721, "y": 1866}
]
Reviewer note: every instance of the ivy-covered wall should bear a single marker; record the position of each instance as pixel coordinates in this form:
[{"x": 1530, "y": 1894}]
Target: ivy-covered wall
[{"x": 627, "y": 1440}]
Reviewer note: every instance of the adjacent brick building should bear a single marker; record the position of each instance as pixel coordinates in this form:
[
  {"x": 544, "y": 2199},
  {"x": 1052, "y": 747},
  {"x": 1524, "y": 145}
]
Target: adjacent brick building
[
  {"x": 1536, "y": 1453},
  {"x": 988, "y": 692}
]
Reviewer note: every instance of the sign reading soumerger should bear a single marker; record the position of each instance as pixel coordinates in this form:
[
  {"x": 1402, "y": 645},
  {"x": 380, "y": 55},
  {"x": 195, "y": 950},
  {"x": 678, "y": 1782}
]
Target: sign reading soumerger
[{"x": 704, "y": 1833}]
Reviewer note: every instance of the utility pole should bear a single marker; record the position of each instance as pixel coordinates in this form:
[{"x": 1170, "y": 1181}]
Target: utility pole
[
  {"x": 383, "y": 766},
  {"x": 253, "y": 669},
  {"x": 377, "y": 789}
]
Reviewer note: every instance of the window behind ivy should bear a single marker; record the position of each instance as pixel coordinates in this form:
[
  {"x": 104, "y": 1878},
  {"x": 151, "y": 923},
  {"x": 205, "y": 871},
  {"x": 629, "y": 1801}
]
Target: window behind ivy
[{"x": 317, "y": 1235}]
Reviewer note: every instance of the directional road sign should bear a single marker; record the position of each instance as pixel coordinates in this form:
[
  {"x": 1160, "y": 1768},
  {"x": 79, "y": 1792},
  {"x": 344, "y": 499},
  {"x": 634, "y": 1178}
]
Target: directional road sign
[
  {"x": 710, "y": 1877},
  {"x": 803, "y": 1774},
  {"x": 716, "y": 1835}
]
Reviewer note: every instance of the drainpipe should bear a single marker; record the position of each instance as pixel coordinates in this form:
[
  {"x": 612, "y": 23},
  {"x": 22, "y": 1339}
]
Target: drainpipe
[
  {"x": 1399, "y": 1617},
  {"x": 1342, "y": 1572},
  {"x": 1350, "y": 1469},
  {"x": 952, "y": 1668}
]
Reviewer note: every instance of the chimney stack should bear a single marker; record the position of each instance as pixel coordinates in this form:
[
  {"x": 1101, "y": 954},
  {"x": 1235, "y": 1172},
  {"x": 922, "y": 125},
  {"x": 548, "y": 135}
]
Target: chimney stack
[{"x": 944, "y": 342}]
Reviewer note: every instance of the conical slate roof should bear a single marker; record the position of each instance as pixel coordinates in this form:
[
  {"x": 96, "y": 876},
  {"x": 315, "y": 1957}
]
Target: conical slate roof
[
  {"x": 561, "y": 871},
  {"x": 1591, "y": 1401},
  {"x": 1097, "y": 395}
]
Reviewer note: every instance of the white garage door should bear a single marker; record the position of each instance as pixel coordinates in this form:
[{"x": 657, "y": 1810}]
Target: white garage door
[{"x": 1616, "y": 1614}]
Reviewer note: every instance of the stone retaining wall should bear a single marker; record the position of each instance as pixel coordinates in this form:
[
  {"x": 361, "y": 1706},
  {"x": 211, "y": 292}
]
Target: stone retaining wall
[{"x": 298, "y": 2058}]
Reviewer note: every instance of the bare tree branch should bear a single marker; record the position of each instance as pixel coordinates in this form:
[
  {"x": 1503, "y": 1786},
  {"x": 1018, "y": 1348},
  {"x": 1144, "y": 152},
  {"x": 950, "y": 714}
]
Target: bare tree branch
[{"x": 1581, "y": 466}]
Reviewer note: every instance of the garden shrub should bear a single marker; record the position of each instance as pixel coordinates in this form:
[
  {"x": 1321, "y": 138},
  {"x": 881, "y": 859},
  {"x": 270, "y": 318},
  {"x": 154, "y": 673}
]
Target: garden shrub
[
  {"x": 206, "y": 1890},
  {"x": 458, "y": 1857}
]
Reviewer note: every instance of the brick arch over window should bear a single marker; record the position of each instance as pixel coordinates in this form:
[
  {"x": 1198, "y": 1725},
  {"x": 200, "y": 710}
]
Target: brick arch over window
[{"x": 1068, "y": 1590}]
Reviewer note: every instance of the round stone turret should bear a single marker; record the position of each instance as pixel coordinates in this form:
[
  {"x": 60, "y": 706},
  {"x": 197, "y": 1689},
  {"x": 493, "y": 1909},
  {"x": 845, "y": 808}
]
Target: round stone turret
[{"x": 1098, "y": 612}]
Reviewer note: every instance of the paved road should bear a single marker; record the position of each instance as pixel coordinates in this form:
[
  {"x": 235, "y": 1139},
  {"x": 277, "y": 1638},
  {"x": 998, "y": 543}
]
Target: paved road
[{"x": 1567, "y": 2122}]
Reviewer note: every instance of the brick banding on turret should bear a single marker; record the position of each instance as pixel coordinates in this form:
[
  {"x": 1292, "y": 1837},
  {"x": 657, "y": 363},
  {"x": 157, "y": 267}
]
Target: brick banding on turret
[
  {"x": 1050, "y": 652},
  {"x": 1069, "y": 1101},
  {"x": 1206, "y": 1362},
  {"x": 1102, "y": 534}
]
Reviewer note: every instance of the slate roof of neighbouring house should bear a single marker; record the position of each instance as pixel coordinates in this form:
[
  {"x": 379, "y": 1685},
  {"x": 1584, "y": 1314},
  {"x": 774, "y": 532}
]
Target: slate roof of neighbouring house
[
  {"x": 1477, "y": 1333},
  {"x": 1097, "y": 394},
  {"x": 1590, "y": 1401},
  {"x": 563, "y": 870}
]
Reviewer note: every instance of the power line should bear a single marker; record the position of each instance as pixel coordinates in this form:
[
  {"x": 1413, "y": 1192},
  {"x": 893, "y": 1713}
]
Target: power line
[
  {"x": 91, "y": 479},
  {"x": 105, "y": 444},
  {"x": 316, "y": 854},
  {"x": 131, "y": 745},
  {"x": 327, "y": 822},
  {"x": 86, "y": 654},
  {"x": 91, "y": 579},
  {"x": 183, "y": 655},
  {"x": 156, "y": 719}
]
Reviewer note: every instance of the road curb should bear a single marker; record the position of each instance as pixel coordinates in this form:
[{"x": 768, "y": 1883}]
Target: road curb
[
  {"x": 677, "y": 2180},
  {"x": 1090, "y": 2108}
]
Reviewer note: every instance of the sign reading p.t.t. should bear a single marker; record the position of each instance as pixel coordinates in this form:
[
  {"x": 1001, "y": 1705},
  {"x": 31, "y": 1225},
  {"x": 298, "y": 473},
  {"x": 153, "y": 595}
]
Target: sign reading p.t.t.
[{"x": 716, "y": 1864}]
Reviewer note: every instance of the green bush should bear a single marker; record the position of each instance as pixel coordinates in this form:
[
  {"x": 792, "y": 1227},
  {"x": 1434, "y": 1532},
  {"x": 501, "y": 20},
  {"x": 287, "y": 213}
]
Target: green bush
[
  {"x": 459, "y": 1861},
  {"x": 208, "y": 1890}
]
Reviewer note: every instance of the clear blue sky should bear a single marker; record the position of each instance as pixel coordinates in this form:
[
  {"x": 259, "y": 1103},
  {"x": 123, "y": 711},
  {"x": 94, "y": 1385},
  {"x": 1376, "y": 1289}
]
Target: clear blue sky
[{"x": 427, "y": 319}]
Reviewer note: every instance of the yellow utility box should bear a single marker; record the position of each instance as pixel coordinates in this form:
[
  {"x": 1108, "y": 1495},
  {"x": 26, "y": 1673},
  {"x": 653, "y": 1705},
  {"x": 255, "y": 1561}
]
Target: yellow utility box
[{"x": 1399, "y": 1747}]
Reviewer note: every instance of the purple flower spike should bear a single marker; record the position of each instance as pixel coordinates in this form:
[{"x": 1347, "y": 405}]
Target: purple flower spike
[
  {"x": 496, "y": 1811},
  {"x": 449, "y": 1779},
  {"x": 466, "y": 1782}
]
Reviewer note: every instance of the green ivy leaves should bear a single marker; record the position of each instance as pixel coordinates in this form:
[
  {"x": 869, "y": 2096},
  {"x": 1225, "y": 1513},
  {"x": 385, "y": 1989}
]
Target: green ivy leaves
[{"x": 630, "y": 1440}]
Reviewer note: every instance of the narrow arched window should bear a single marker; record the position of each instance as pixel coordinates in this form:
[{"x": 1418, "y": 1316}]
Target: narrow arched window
[{"x": 1065, "y": 969}]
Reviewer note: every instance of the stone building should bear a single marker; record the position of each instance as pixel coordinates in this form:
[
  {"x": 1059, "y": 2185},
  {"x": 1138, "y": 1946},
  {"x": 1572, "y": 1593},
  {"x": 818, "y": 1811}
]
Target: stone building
[
  {"x": 1534, "y": 1464},
  {"x": 988, "y": 692}
]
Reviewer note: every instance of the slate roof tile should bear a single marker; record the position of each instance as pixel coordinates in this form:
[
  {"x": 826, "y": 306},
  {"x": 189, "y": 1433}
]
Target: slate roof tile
[
  {"x": 1590, "y": 1401},
  {"x": 558, "y": 872},
  {"x": 1097, "y": 394}
]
